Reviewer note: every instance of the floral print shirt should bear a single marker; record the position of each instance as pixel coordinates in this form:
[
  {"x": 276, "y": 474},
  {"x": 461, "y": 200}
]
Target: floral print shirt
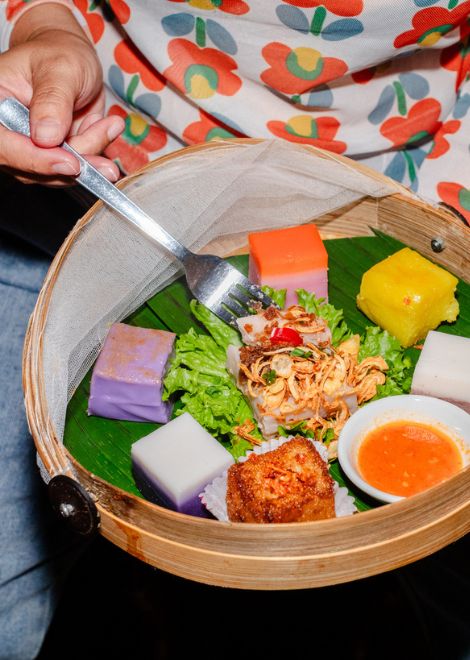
[{"x": 382, "y": 81}]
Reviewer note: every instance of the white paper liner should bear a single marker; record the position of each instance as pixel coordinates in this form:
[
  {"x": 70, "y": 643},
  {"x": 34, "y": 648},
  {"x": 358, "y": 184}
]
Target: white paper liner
[{"x": 214, "y": 495}]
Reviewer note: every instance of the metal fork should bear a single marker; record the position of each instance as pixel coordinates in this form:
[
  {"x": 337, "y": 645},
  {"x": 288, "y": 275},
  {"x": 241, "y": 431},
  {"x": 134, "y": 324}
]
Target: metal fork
[{"x": 214, "y": 282}]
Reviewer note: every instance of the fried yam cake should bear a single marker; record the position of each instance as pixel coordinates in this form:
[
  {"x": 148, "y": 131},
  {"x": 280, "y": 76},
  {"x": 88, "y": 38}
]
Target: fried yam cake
[{"x": 289, "y": 484}]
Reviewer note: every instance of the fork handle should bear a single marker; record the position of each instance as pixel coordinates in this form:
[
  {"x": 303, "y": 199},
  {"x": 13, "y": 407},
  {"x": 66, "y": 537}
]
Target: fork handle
[{"x": 15, "y": 116}]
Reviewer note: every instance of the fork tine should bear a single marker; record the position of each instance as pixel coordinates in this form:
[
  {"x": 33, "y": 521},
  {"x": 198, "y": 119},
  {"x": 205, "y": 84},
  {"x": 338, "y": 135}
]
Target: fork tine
[
  {"x": 254, "y": 290},
  {"x": 260, "y": 295},
  {"x": 234, "y": 306},
  {"x": 247, "y": 292},
  {"x": 241, "y": 296},
  {"x": 225, "y": 315},
  {"x": 222, "y": 288}
]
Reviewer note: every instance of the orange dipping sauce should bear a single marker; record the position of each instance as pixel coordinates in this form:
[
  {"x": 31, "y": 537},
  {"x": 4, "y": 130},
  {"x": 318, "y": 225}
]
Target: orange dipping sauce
[{"x": 406, "y": 457}]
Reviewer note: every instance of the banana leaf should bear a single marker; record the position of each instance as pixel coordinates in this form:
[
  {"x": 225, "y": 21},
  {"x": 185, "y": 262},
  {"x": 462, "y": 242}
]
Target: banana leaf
[{"x": 103, "y": 446}]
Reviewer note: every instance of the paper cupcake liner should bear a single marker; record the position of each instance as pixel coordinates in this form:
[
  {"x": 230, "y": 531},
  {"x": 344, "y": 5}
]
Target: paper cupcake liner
[{"x": 214, "y": 495}]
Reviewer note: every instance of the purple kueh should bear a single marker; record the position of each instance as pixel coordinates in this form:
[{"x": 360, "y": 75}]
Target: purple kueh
[{"x": 127, "y": 380}]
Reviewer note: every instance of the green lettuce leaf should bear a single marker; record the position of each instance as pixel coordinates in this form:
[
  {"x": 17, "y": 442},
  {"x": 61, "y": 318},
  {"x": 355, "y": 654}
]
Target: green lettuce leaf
[
  {"x": 296, "y": 429},
  {"x": 218, "y": 408},
  {"x": 208, "y": 391},
  {"x": 181, "y": 379},
  {"x": 278, "y": 296},
  {"x": 379, "y": 342},
  {"x": 389, "y": 388},
  {"x": 239, "y": 447},
  {"x": 376, "y": 341},
  {"x": 334, "y": 317},
  {"x": 200, "y": 353},
  {"x": 222, "y": 333}
]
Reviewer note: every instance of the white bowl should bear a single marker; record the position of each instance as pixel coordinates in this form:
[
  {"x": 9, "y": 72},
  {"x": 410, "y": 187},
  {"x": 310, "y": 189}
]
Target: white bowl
[{"x": 446, "y": 417}]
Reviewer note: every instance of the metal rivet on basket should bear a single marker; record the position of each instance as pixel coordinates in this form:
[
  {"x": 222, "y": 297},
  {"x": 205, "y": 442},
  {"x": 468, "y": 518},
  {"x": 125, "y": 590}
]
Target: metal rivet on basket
[
  {"x": 437, "y": 244},
  {"x": 74, "y": 505}
]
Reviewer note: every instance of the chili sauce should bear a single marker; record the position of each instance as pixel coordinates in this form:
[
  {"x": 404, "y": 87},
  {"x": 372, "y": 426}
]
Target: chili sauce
[{"x": 406, "y": 457}]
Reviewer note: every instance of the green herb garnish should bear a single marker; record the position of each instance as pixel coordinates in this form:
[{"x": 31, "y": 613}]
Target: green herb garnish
[
  {"x": 298, "y": 352},
  {"x": 326, "y": 436},
  {"x": 269, "y": 377}
]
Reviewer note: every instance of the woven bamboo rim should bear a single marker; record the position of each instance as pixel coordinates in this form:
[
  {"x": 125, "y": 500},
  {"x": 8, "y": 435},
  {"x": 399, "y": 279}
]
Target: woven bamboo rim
[{"x": 271, "y": 556}]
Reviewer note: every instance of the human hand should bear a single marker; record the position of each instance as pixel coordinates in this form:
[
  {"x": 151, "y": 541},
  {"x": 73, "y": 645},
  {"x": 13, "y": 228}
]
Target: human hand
[{"x": 53, "y": 69}]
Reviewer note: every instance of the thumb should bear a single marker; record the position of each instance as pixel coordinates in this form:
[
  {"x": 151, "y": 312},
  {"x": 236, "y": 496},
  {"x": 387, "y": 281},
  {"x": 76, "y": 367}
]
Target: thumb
[{"x": 51, "y": 107}]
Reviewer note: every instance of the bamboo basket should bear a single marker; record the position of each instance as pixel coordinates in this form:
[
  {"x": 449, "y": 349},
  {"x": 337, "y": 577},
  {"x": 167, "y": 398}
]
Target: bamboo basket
[{"x": 274, "y": 556}]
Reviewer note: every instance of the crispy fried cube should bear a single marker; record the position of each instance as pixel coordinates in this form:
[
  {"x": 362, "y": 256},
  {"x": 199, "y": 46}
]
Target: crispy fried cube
[{"x": 289, "y": 484}]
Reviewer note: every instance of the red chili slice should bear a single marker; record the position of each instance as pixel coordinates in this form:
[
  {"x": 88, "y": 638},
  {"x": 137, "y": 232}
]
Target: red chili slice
[{"x": 286, "y": 336}]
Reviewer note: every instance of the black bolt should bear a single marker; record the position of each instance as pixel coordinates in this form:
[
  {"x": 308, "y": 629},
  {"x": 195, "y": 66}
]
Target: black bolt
[
  {"x": 74, "y": 505},
  {"x": 437, "y": 244}
]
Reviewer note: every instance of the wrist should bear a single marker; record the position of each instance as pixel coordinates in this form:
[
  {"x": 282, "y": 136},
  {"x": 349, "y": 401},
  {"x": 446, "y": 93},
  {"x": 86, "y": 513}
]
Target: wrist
[{"x": 45, "y": 18}]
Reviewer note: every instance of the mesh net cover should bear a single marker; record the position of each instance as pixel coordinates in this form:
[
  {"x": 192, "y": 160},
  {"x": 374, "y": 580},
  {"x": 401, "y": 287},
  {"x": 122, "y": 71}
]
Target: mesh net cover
[{"x": 111, "y": 268}]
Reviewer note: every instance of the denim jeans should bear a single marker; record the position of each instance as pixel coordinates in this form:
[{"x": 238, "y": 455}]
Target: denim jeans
[{"x": 35, "y": 547}]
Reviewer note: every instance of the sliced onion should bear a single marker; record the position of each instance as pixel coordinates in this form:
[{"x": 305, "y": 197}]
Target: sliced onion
[
  {"x": 232, "y": 363},
  {"x": 316, "y": 338},
  {"x": 351, "y": 401}
]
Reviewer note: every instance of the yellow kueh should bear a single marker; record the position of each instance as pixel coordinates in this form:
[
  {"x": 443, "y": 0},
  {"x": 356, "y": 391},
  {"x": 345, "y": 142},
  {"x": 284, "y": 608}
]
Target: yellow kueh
[{"x": 408, "y": 295}]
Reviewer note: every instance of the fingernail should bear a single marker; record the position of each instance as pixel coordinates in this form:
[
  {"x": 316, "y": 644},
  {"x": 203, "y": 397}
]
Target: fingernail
[
  {"x": 114, "y": 130},
  {"x": 65, "y": 168},
  {"x": 109, "y": 172},
  {"x": 48, "y": 130}
]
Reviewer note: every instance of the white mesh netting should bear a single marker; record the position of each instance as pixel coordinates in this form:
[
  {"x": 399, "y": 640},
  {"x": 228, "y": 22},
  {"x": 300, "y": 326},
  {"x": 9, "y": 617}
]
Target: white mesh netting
[{"x": 112, "y": 269}]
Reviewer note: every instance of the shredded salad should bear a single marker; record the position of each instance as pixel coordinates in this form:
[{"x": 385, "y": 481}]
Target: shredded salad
[{"x": 373, "y": 364}]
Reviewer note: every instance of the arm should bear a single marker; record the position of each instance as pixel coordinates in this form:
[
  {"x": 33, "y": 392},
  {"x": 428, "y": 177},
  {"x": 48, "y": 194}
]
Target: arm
[{"x": 52, "y": 67}]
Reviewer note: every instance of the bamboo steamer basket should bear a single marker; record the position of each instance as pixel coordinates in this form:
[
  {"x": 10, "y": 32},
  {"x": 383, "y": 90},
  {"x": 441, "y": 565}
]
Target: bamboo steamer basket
[{"x": 274, "y": 556}]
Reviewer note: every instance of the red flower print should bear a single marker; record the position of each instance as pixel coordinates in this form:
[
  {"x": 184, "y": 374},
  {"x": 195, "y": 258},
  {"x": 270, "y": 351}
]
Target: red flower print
[
  {"x": 237, "y": 7},
  {"x": 307, "y": 130},
  {"x": 338, "y": 7},
  {"x": 456, "y": 196},
  {"x": 441, "y": 146},
  {"x": 139, "y": 139},
  {"x": 131, "y": 60},
  {"x": 295, "y": 71},
  {"x": 429, "y": 25},
  {"x": 422, "y": 120},
  {"x": 201, "y": 72},
  {"x": 121, "y": 10},
  {"x": 206, "y": 129},
  {"x": 94, "y": 21},
  {"x": 13, "y": 7},
  {"x": 457, "y": 58}
]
